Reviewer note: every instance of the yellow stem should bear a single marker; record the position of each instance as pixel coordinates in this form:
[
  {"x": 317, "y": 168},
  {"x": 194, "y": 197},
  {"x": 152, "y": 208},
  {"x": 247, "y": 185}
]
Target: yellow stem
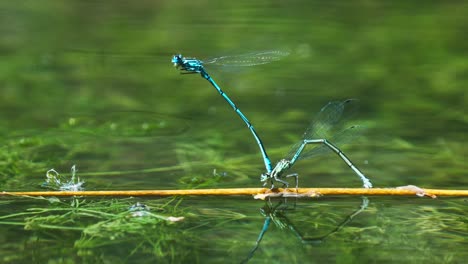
[{"x": 253, "y": 191}]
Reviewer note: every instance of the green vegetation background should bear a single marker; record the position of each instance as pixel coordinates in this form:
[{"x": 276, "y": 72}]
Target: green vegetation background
[{"x": 90, "y": 83}]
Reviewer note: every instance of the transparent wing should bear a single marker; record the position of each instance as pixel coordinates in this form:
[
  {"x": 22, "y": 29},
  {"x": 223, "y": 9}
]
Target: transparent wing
[
  {"x": 331, "y": 123},
  {"x": 348, "y": 135},
  {"x": 249, "y": 59}
]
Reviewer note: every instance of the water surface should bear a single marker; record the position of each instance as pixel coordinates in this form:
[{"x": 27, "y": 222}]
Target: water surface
[{"x": 90, "y": 84}]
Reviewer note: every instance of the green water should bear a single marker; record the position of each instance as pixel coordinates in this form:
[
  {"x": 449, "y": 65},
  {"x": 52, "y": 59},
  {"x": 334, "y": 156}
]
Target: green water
[{"x": 90, "y": 83}]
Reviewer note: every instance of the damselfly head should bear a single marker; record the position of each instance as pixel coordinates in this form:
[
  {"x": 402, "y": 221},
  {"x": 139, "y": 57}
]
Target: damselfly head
[{"x": 177, "y": 60}]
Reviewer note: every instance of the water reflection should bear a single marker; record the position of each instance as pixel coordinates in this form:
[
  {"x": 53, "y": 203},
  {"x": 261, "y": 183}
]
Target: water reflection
[{"x": 278, "y": 214}]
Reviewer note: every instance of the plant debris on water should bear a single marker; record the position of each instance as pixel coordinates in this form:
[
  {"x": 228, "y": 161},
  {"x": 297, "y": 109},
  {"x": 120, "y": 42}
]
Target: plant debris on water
[{"x": 58, "y": 182}]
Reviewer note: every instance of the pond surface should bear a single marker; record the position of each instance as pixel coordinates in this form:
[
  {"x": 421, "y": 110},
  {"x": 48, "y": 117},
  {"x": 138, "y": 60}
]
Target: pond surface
[{"x": 91, "y": 84}]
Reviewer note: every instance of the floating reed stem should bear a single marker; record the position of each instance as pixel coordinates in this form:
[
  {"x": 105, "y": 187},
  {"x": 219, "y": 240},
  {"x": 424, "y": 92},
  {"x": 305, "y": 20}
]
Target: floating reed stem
[{"x": 260, "y": 193}]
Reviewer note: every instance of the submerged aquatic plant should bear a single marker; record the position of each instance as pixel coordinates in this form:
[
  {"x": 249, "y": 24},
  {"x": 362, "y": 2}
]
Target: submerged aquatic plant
[
  {"x": 93, "y": 228},
  {"x": 57, "y": 182}
]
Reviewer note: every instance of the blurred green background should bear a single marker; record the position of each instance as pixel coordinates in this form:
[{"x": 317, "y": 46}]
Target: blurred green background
[
  {"x": 405, "y": 62},
  {"x": 91, "y": 83}
]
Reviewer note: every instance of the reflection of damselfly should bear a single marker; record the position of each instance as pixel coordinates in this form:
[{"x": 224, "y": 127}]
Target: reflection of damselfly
[
  {"x": 277, "y": 214},
  {"x": 328, "y": 117}
]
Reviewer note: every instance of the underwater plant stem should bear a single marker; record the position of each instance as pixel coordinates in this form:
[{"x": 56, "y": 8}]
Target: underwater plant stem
[{"x": 306, "y": 192}]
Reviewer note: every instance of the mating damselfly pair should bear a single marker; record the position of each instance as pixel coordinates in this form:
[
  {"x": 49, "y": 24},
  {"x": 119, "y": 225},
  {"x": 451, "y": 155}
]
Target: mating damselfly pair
[{"x": 328, "y": 117}]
